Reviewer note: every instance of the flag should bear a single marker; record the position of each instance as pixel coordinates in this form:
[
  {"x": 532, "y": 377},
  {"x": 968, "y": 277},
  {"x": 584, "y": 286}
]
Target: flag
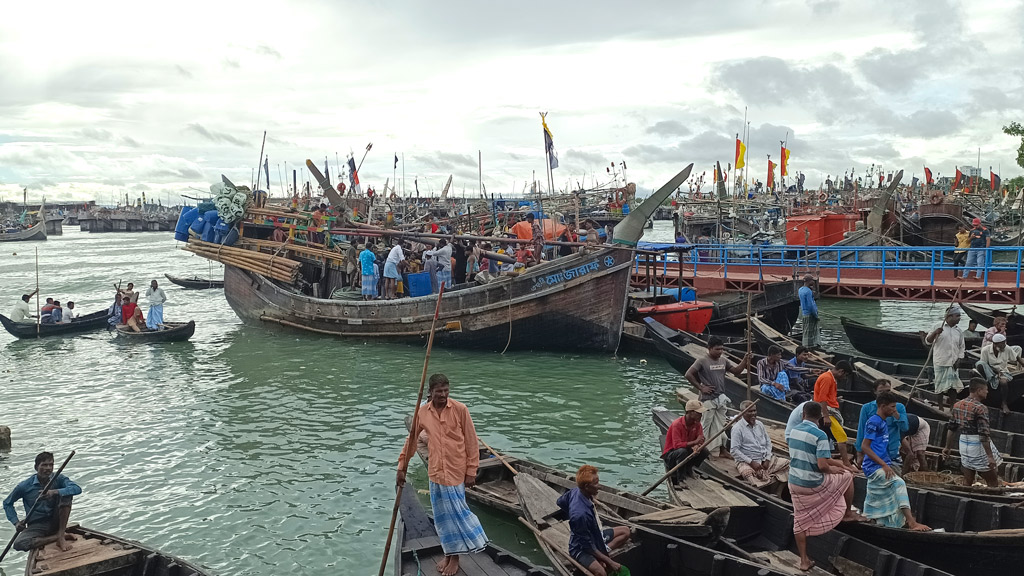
[
  {"x": 881, "y": 179},
  {"x": 741, "y": 153},
  {"x": 396, "y": 161},
  {"x": 928, "y": 176},
  {"x": 770, "y": 182},
  {"x": 549, "y": 144},
  {"x": 913, "y": 183},
  {"x": 784, "y": 165},
  {"x": 956, "y": 181},
  {"x": 353, "y": 177},
  {"x": 994, "y": 180},
  {"x": 327, "y": 172},
  {"x": 266, "y": 168}
]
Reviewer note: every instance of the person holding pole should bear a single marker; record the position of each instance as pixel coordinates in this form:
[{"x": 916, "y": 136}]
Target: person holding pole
[
  {"x": 707, "y": 374},
  {"x": 47, "y": 512},
  {"x": 685, "y": 436},
  {"x": 21, "y": 311},
  {"x": 454, "y": 457},
  {"x": 589, "y": 543}
]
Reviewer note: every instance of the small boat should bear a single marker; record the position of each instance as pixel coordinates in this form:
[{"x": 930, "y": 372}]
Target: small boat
[
  {"x": 195, "y": 282},
  {"x": 892, "y": 344},
  {"x": 419, "y": 548},
  {"x": 985, "y": 316},
  {"x": 687, "y": 316},
  {"x": 36, "y": 232},
  {"x": 173, "y": 332},
  {"x": 95, "y": 553},
  {"x": 86, "y": 323}
]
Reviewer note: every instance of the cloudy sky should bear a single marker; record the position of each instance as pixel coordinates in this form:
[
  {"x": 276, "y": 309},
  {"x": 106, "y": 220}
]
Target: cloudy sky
[{"x": 98, "y": 99}]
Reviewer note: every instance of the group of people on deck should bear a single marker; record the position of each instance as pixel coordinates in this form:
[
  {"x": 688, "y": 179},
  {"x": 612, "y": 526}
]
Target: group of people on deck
[
  {"x": 125, "y": 310},
  {"x": 50, "y": 313}
]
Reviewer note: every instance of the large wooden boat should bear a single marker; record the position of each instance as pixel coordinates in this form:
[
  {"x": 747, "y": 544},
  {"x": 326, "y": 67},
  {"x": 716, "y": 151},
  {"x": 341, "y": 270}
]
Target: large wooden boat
[
  {"x": 985, "y": 317},
  {"x": 36, "y": 232},
  {"x": 419, "y": 548},
  {"x": 95, "y": 553},
  {"x": 86, "y": 323},
  {"x": 195, "y": 282},
  {"x": 173, "y": 332},
  {"x": 576, "y": 302}
]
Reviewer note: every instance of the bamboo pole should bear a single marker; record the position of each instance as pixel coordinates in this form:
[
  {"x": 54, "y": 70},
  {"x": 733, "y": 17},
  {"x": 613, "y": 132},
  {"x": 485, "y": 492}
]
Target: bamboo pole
[
  {"x": 554, "y": 546},
  {"x": 39, "y": 316},
  {"x": 750, "y": 337},
  {"x": 404, "y": 466}
]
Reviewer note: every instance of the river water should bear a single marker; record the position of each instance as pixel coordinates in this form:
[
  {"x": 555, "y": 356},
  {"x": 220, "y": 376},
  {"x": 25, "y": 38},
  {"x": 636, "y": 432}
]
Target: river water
[{"x": 260, "y": 451}]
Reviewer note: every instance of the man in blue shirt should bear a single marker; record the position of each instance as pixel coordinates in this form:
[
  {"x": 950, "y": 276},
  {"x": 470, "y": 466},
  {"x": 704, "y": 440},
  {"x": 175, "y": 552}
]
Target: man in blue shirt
[
  {"x": 809, "y": 314},
  {"x": 801, "y": 377},
  {"x": 366, "y": 277},
  {"x": 50, "y": 518},
  {"x": 897, "y": 425},
  {"x": 589, "y": 544},
  {"x": 980, "y": 242}
]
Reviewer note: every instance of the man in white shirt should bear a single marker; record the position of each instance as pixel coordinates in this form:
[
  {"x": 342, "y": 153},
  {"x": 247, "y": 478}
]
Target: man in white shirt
[
  {"x": 752, "y": 451},
  {"x": 443, "y": 255},
  {"x": 391, "y": 273},
  {"x": 947, "y": 342},
  {"x": 156, "y": 297},
  {"x": 69, "y": 313},
  {"x": 21, "y": 311},
  {"x": 994, "y": 366}
]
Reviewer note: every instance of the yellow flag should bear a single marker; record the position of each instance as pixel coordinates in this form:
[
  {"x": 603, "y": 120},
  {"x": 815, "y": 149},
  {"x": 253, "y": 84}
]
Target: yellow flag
[{"x": 741, "y": 154}]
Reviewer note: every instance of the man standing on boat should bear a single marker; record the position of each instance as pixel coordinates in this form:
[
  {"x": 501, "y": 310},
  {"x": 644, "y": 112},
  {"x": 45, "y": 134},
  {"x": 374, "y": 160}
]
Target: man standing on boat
[
  {"x": 994, "y": 366},
  {"x": 826, "y": 391},
  {"x": 708, "y": 375},
  {"x": 947, "y": 342},
  {"x": 21, "y": 311},
  {"x": 752, "y": 451},
  {"x": 897, "y": 426},
  {"x": 454, "y": 457},
  {"x": 49, "y": 520},
  {"x": 809, "y": 314},
  {"x": 978, "y": 455},
  {"x": 443, "y": 255},
  {"x": 156, "y": 297},
  {"x": 391, "y": 275}
]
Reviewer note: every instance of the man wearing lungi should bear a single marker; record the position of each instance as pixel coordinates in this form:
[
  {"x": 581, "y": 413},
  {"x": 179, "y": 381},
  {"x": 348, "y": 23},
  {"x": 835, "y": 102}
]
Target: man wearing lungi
[
  {"x": 454, "y": 457},
  {"x": 826, "y": 389},
  {"x": 897, "y": 424},
  {"x": 915, "y": 442},
  {"x": 977, "y": 453},
  {"x": 821, "y": 488},
  {"x": 947, "y": 342},
  {"x": 156, "y": 297},
  {"x": 886, "y": 500},
  {"x": 809, "y": 314},
  {"x": 707, "y": 374},
  {"x": 994, "y": 366},
  {"x": 752, "y": 451}
]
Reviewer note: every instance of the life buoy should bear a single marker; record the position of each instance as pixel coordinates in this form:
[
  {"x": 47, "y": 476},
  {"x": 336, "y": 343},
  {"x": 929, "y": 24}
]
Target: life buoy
[
  {"x": 935, "y": 198},
  {"x": 822, "y": 197}
]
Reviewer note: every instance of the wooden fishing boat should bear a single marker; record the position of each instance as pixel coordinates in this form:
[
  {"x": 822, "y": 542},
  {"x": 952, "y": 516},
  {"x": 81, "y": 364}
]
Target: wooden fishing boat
[
  {"x": 778, "y": 304},
  {"x": 892, "y": 344},
  {"x": 688, "y": 316},
  {"x": 195, "y": 282},
  {"x": 419, "y": 548},
  {"x": 86, "y": 323},
  {"x": 549, "y": 306},
  {"x": 95, "y": 553},
  {"x": 495, "y": 488},
  {"x": 985, "y": 317},
  {"x": 36, "y": 232},
  {"x": 954, "y": 482},
  {"x": 173, "y": 332}
]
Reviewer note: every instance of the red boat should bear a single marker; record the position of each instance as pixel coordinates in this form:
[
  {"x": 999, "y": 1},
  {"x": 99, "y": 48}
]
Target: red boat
[{"x": 686, "y": 316}]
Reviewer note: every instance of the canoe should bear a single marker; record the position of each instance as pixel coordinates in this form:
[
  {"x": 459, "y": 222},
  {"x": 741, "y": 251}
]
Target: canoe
[
  {"x": 767, "y": 533},
  {"x": 86, "y": 323},
  {"x": 195, "y": 282},
  {"x": 174, "y": 332},
  {"x": 99, "y": 554},
  {"x": 984, "y": 317},
  {"x": 495, "y": 488},
  {"x": 418, "y": 548},
  {"x": 954, "y": 482},
  {"x": 36, "y": 232},
  {"x": 892, "y": 344}
]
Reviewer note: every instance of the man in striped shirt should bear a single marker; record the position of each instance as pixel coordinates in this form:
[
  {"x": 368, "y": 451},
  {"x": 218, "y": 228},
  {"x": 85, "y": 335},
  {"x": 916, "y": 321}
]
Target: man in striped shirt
[{"x": 821, "y": 488}]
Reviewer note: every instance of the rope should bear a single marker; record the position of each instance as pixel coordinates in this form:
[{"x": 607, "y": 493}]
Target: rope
[
  {"x": 419, "y": 569},
  {"x": 507, "y": 344}
]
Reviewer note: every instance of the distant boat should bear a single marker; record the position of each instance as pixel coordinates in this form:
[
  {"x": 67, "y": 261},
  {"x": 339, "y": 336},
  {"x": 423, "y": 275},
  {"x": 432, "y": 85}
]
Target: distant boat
[
  {"x": 195, "y": 282},
  {"x": 174, "y": 332},
  {"x": 86, "y": 323},
  {"x": 36, "y": 232}
]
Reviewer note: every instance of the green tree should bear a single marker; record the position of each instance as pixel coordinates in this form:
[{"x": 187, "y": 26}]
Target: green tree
[{"x": 1015, "y": 129}]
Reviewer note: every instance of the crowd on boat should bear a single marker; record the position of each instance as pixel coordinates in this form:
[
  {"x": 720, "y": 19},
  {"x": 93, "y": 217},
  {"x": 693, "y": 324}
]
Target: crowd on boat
[
  {"x": 50, "y": 313},
  {"x": 124, "y": 311}
]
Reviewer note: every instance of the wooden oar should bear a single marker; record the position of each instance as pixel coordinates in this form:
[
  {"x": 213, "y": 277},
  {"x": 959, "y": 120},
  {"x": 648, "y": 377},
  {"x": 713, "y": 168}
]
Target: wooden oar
[
  {"x": 543, "y": 537},
  {"x": 500, "y": 457},
  {"x": 404, "y": 466},
  {"x": 695, "y": 452},
  {"x": 36, "y": 503}
]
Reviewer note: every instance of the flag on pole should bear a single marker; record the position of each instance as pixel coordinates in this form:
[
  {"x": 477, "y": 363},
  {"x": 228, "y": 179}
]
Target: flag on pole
[
  {"x": 994, "y": 180},
  {"x": 266, "y": 169},
  {"x": 956, "y": 181},
  {"x": 741, "y": 153},
  {"x": 928, "y": 176},
  {"x": 549, "y": 144},
  {"x": 353, "y": 177},
  {"x": 913, "y": 182},
  {"x": 770, "y": 182},
  {"x": 784, "y": 164},
  {"x": 396, "y": 161}
]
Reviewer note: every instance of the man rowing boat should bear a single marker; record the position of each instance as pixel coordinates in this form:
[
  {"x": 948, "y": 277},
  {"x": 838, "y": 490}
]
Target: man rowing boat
[{"x": 49, "y": 519}]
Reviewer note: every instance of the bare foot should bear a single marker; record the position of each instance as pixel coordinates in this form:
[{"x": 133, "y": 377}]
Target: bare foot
[
  {"x": 918, "y": 527},
  {"x": 804, "y": 567},
  {"x": 69, "y": 536},
  {"x": 443, "y": 565},
  {"x": 453, "y": 566},
  {"x": 63, "y": 545},
  {"x": 852, "y": 516}
]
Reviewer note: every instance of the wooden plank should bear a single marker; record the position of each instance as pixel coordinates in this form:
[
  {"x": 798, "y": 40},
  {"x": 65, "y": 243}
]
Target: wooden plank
[{"x": 787, "y": 561}]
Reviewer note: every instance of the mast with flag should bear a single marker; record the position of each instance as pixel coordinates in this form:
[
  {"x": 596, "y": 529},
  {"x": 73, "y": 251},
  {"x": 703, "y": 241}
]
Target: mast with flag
[
  {"x": 784, "y": 160},
  {"x": 770, "y": 182},
  {"x": 741, "y": 152},
  {"x": 994, "y": 181},
  {"x": 956, "y": 180},
  {"x": 552, "y": 160}
]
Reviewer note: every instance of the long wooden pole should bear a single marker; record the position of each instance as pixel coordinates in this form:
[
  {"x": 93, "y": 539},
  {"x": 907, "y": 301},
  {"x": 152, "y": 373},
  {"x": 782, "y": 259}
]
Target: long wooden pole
[
  {"x": 913, "y": 389},
  {"x": 36, "y": 503},
  {"x": 500, "y": 457},
  {"x": 556, "y": 547},
  {"x": 750, "y": 337},
  {"x": 39, "y": 316},
  {"x": 695, "y": 452},
  {"x": 404, "y": 466}
]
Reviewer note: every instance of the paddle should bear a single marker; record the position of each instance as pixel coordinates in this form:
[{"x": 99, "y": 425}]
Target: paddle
[
  {"x": 695, "y": 452},
  {"x": 412, "y": 431},
  {"x": 38, "y": 498}
]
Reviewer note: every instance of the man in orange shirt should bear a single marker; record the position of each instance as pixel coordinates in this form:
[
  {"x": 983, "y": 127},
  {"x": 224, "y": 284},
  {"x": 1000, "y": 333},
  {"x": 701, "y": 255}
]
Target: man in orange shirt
[
  {"x": 454, "y": 456},
  {"x": 826, "y": 390}
]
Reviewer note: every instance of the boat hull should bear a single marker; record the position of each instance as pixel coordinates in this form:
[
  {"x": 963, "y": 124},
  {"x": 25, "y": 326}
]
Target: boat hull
[
  {"x": 686, "y": 316},
  {"x": 575, "y": 303},
  {"x": 195, "y": 283},
  {"x": 37, "y": 232},
  {"x": 87, "y": 323}
]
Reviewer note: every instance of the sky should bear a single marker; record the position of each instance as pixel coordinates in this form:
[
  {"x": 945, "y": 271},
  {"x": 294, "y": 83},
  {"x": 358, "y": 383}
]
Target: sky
[{"x": 99, "y": 100}]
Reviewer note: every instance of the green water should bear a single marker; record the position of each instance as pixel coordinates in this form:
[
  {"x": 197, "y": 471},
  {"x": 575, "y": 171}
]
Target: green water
[{"x": 260, "y": 451}]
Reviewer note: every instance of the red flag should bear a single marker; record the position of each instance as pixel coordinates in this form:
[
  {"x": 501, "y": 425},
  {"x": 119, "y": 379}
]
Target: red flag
[
  {"x": 956, "y": 181},
  {"x": 994, "y": 180},
  {"x": 928, "y": 176},
  {"x": 784, "y": 166}
]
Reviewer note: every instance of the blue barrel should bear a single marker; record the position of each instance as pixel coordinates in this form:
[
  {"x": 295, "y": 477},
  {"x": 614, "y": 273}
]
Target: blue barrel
[
  {"x": 682, "y": 294},
  {"x": 199, "y": 224},
  {"x": 208, "y": 233},
  {"x": 185, "y": 219},
  {"x": 231, "y": 237},
  {"x": 419, "y": 284},
  {"x": 625, "y": 209}
]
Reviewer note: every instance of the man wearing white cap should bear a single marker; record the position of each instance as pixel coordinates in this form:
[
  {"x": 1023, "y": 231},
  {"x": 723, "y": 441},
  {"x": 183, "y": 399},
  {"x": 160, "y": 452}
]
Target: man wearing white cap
[
  {"x": 994, "y": 366},
  {"x": 947, "y": 342},
  {"x": 980, "y": 240},
  {"x": 684, "y": 437}
]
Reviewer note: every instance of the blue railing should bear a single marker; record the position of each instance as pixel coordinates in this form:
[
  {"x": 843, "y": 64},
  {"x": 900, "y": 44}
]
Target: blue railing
[{"x": 935, "y": 259}]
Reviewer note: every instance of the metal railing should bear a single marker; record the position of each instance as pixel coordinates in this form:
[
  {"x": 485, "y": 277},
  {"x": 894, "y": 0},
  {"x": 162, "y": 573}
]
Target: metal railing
[{"x": 934, "y": 259}]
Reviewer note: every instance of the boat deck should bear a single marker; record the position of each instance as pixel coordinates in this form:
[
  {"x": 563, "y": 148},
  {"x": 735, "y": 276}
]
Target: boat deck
[{"x": 87, "y": 556}]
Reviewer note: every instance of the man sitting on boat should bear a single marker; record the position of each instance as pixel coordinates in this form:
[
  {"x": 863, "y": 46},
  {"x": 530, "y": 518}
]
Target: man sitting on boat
[
  {"x": 994, "y": 366},
  {"x": 897, "y": 425},
  {"x": 886, "y": 501},
  {"x": 114, "y": 311},
  {"x": 708, "y": 375},
  {"x": 21, "y": 311},
  {"x": 131, "y": 314},
  {"x": 49, "y": 520},
  {"x": 46, "y": 311},
  {"x": 452, "y": 463},
  {"x": 772, "y": 375},
  {"x": 915, "y": 442},
  {"x": 69, "y": 313},
  {"x": 590, "y": 543},
  {"x": 821, "y": 488},
  {"x": 826, "y": 390},
  {"x": 998, "y": 327},
  {"x": 54, "y": 315},
  {"x": 978, "y": 455},
  {"x": 947, "y": 342},
  {"x": 751, "y": 449},
  {"x": 684, "y": 437},
  {"x": 801, "y": 377}
]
